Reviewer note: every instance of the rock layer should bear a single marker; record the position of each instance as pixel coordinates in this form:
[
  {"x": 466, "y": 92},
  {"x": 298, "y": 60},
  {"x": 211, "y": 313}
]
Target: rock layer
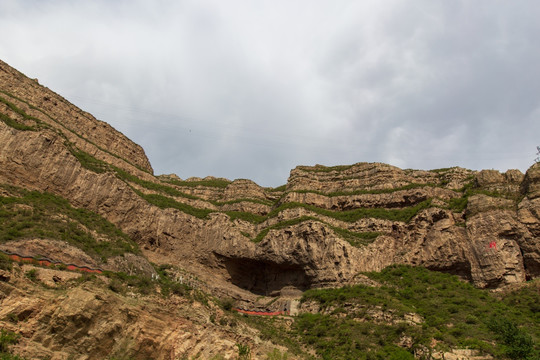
[{"x": 324, "y": 227}]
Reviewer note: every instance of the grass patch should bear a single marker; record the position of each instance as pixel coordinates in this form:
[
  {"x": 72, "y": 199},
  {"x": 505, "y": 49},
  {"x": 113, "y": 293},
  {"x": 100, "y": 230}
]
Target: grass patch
[
  {"x": 87, "y": 161},
  {"x": 164, "y": 202},
  {"x": 68, "y": 129},
  {"x": 236, "y": 201},
  {"x": 354, "y": 238},
  {"x": 367, "y": 191},
  {"x": 325, "y": 169},
  {"x": 282, "y": 225},
  {"x": 47, "y": 216},
  {"x": 13, "y": 123},
  {"x": 216, "y": 183},
  {"x": 279, "y": 188},
  {"x": 8, "y": 338},
  {"x": 454, "y": 312},
  {"x": 404, "y": 214},
  {"x": 246, "y": 216},
  {"x": 124, "y": 175},
  {"x": 460, "y": 204}
]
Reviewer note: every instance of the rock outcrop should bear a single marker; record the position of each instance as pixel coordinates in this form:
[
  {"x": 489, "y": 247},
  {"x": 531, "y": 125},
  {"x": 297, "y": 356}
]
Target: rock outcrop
[
  {"x": 74, "y": 318},
  {"x": 325, "y": 226}
]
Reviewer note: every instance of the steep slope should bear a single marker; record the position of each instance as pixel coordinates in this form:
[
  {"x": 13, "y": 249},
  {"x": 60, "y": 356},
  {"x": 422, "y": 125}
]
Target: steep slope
[
  {"x": 75, "y": 190},
  {"x": 322, "y": 228}
]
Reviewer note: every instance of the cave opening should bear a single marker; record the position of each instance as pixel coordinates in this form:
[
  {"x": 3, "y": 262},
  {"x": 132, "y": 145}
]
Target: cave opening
[{"x": 263, "y": 277}]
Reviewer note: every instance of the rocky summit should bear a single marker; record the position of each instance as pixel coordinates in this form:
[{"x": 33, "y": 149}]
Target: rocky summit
[{"x": 178, "y": 258}]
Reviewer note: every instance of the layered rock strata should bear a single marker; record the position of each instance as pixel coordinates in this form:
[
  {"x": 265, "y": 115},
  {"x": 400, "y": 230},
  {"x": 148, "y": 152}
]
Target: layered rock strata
[{"x": 326, "y": 225}]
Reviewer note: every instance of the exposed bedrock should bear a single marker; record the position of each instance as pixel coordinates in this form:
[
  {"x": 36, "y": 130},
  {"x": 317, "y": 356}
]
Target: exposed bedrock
[{"x": 483, "y": 226}]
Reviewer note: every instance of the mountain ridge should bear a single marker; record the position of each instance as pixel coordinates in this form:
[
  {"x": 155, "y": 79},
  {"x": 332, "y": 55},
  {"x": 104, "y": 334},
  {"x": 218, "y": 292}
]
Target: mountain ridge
[{"x": 323, "y": 228}]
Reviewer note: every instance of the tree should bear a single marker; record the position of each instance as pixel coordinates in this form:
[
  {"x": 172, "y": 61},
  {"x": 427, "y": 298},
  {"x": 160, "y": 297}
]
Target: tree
[{"x": 538, "y": 153}]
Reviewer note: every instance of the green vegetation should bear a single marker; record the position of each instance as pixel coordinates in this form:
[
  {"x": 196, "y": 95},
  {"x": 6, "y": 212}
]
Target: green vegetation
[
  {"x": 282, "y": 225},
  {"x": 277, "y": 355},
  {"x": 166, "y": 202},
  {"x": 354, "y": 238},
  {"x": 322, "y": 168},
  {"x": 168, "y": 285},
  {"x": 163, "y": 201},
  {"x": 516, "y": 343},
  {"x": 366, "y": 191},
  {"x": 8, "y": 338},
  {"x": 121, "y": 281},
  {"x": 87, "y": 161},
  {"x": 42, "y": 124},
  {"x": 470, "y": 189},
  {"x": 124, "y": 175},
  {"x": 404, "y": 214},
  {"x": 32, "y": 274},
  {"x": 279, "y": 188},
  {"x": 91, "y": 163},
  {"x": 33, "y": 214},
  {"x": 13, "y": 123},
  {"x": 442, "y": 170},
  {"x": 5, "y": 262},
  {"x": 236, "y": 201},
  {"x": 244, "y": 351},
  {"x": 455, "y": 313},
  {"x": 218, "y": 183}
]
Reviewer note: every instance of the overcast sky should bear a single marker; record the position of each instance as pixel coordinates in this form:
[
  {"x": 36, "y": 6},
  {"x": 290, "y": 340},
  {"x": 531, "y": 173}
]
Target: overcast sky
[{"x": 251, "y": 89}]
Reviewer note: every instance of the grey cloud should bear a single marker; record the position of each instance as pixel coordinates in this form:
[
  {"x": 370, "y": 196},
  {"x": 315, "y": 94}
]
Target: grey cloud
[{"x": 251, "y": 89}]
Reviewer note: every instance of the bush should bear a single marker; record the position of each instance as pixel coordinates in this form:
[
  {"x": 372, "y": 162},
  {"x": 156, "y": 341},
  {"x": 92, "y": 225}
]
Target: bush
[
  {"x": 227, "y": 304},
  {"x": 5, "y": 262},
  {"x": 7, "y": 338},
  {"x": 116, "y": 286},
  {"x": 244, "y": 352},
  {"x": 32, "y": 274},
  {"x": 516, "y": 343}
]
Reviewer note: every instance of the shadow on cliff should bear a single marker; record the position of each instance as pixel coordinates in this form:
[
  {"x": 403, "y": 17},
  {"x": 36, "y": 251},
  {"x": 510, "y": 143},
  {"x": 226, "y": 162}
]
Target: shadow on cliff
[{"x": 264, "y": 278}]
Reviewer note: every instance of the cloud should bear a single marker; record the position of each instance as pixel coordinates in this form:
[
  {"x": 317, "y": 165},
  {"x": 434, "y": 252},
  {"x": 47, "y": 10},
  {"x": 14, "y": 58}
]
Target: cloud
[{"x": 245, "y": 89}]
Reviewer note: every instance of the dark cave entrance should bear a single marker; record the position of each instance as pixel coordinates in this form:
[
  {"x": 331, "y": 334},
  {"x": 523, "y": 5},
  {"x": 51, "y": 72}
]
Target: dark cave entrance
[{"x": 263, "y": 277}]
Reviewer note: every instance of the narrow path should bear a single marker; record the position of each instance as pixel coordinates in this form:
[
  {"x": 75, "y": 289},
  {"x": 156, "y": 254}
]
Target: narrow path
[{"x": 43, "y": 261}]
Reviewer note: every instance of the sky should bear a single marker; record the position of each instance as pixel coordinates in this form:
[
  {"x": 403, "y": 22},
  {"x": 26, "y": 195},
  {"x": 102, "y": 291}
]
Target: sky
[{"x": 252, "y": 89}]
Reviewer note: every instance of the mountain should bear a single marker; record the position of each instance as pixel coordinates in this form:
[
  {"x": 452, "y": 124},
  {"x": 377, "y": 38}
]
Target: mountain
[{"x": 75, "y": 190}]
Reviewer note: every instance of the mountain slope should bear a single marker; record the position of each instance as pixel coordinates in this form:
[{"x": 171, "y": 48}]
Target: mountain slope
[{"x": 260, "y": 246}]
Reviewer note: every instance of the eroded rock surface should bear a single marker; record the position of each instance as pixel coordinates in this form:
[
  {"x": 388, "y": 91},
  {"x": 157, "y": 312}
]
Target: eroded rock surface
[{"x": 325, "y": 226}]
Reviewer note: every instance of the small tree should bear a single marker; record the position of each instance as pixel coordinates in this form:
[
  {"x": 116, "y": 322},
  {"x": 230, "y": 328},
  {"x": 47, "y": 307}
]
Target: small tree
[{"x": 538, "y": 153}]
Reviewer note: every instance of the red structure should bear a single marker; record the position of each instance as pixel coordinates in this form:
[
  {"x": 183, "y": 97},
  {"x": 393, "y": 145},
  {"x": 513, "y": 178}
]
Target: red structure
[
  {"x": 493, "y": 245},
  {"x": 48, "y": 262}
]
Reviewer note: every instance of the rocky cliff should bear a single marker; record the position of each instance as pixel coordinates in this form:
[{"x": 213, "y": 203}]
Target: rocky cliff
[{"x": 323, "y": 228}]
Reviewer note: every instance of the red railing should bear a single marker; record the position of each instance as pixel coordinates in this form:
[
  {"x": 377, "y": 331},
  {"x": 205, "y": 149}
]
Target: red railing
[{"x": 48, "y": 262}]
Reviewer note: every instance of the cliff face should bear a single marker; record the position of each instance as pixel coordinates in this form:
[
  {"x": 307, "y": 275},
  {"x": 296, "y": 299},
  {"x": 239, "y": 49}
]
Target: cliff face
[
  {"x": 80, "y": 318},
  {"x": 323, "y": 228},
  {"x": 229, "y": 238}
]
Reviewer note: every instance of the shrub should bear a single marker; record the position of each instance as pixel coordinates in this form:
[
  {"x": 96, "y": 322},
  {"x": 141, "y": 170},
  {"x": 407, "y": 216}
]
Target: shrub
[
  {"x": 5, "y": 262},
  {"x": 516, "y": 343},
  {"x": 116, "y": 286},
  {"x": 244, "y": 351},
  {"x": 227, "y": 304},
  {"x": 7, "y": 338},
  {"x": 32, "y": 274}
]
